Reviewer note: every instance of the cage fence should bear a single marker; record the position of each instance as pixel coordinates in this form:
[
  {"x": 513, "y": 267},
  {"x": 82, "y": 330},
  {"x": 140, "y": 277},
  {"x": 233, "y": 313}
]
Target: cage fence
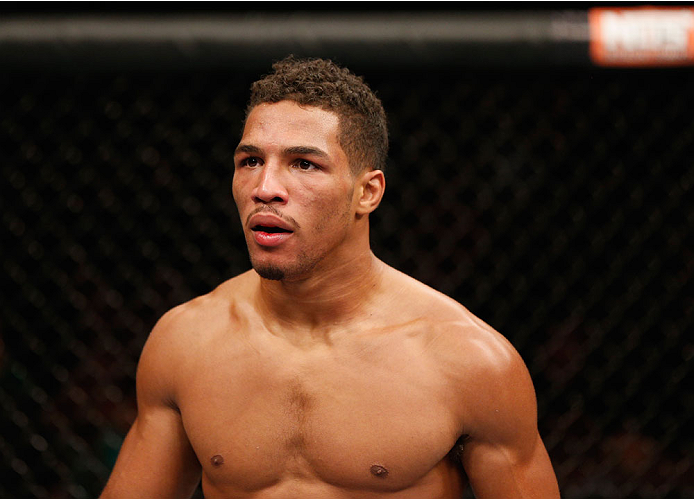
[{"x": 555, "y": 205}]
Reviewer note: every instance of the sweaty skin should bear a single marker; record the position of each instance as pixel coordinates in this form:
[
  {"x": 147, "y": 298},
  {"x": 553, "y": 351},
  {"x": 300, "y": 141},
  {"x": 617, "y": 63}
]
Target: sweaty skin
[{"x": 343, "y": 379}]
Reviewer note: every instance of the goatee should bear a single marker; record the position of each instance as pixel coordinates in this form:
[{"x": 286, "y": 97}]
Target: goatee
[{"x": 270, "y": 272}]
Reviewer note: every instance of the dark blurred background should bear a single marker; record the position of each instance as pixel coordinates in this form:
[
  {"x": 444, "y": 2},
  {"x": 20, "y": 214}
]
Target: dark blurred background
[{"x": 549, "y": 195}]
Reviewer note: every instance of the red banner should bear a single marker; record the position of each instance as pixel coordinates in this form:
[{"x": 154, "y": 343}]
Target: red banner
[{"x": 642, "y": 36}]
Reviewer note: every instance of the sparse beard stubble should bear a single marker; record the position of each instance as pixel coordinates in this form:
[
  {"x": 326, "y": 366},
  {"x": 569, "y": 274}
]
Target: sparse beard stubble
[
  {"x": 269, "y": 272},
  {"x": 298, "y": 270},
  {"x": 291, "y": 272}
]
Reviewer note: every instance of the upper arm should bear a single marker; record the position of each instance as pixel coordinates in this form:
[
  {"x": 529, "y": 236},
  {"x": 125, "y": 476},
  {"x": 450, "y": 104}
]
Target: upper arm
[
  {"x": 504, "y": 456},
  {"x": 156, "y": 459}
]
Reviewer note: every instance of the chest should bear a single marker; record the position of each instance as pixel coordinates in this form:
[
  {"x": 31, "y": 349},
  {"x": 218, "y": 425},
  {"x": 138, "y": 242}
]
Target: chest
[{"x": 370, "y": 418}]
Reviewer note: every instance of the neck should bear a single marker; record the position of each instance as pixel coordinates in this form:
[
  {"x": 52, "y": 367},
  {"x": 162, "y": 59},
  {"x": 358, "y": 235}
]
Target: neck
[{"x": 324, "y": 299}]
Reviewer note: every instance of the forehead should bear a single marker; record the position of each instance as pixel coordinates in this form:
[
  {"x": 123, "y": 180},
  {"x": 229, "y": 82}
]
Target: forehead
[{"x": 287, "y": 123}]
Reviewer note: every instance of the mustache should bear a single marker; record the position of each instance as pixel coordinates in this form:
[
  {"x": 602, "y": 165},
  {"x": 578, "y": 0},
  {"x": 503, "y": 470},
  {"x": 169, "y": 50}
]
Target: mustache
[{"x": 274, "y": 211}]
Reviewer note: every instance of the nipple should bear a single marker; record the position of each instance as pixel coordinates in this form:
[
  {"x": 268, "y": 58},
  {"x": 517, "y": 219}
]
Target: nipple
[
  {"x": 379, "y": 471},
  {"x": 217, "y": 460}
]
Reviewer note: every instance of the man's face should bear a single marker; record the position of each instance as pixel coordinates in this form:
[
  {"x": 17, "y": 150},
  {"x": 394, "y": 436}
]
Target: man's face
[{"x": 293, "y": 188}]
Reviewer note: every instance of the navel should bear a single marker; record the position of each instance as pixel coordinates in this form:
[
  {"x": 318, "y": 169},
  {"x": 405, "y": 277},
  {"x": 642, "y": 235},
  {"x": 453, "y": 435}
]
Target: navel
[
  {"x": 217, "y": 460},
  {"x": 379, "y": 471}
]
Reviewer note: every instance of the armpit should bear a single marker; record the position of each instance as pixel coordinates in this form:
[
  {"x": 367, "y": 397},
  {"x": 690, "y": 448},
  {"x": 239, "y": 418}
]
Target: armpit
[{"x": 456, "y": 452}]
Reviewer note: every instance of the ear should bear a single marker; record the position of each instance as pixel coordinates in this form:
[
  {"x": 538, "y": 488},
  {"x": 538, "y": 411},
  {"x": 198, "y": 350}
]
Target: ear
[{"x": 370, "y": 188}]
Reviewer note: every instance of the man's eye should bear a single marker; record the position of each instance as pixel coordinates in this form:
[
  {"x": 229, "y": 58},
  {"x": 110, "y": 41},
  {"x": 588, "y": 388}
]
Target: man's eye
[
  {"x": 250, "y": 161},
  {"x": 303, "y": 164}
]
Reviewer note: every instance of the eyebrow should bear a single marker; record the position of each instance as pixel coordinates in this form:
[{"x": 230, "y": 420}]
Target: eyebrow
[
  {"x": 300, "y": 150},
  {"x": 290, "y": 151},
  {"x": 247, "y": 148}
]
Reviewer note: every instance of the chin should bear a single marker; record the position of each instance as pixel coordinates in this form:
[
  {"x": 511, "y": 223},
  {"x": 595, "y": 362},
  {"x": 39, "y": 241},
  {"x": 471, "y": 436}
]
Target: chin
[
  {"x": 269, "y": 272},
  {"x": 285, "y": 271}
]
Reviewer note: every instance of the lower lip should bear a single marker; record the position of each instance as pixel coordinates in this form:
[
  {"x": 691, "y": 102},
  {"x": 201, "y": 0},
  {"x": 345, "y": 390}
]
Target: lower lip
[{"x": 270, "y": 239}]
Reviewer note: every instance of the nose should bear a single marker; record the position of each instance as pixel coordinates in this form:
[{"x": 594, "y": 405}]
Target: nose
[{"x": 270, "y": 188}]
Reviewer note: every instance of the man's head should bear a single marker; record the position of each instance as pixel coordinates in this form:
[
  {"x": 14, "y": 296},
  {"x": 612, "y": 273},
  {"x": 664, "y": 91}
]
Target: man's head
[
  {"x": 363, "y": 130},
  {"x": 307, "y": 169}
]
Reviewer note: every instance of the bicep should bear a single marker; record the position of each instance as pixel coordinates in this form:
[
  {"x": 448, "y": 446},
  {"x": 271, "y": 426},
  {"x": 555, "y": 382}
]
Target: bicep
[
  {"x": 504, "y": 455},
  {"x": 156, "y": 458},
  {"x": 496, "y": 470}
]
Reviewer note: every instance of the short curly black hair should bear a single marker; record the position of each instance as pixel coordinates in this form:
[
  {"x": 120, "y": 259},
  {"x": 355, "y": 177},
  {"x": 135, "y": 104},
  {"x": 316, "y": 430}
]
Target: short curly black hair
[{"x": 363, "y": 128}]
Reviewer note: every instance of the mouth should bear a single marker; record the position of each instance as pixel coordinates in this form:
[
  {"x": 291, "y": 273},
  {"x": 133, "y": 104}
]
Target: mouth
[
  {"x": 270, "y": 229},
  {"x": 270, "y": 236}
]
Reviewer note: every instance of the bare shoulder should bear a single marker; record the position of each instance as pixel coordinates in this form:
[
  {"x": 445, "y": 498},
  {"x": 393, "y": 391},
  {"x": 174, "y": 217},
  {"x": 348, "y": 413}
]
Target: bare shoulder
[
  {"x": 184, "y": 333},
  {"x": 191, "y": 321},
  {"x": 490, "y": 393},
  {"x": 492, "y": 388},
  {"x": 463, "y": 345}
]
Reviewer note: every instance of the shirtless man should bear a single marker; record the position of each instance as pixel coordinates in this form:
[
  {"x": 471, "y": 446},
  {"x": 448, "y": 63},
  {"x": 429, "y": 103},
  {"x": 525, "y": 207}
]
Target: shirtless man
[{"x": 323, "y": 372}]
